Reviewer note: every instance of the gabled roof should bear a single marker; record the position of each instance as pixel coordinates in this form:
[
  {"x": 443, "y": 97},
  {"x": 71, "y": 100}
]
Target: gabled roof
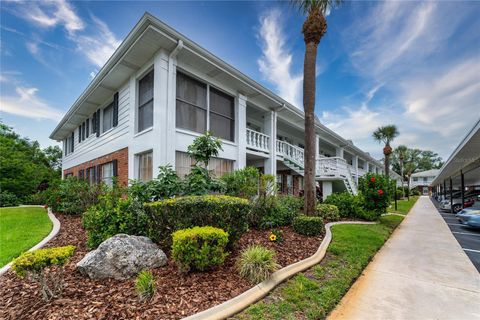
[
  {"x": 428, "y": 173},
  {"x": 147, "y": 37}
]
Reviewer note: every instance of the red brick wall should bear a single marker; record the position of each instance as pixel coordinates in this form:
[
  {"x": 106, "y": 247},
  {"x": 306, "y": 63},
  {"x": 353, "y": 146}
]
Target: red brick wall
[{"x": 122, "y": 165}]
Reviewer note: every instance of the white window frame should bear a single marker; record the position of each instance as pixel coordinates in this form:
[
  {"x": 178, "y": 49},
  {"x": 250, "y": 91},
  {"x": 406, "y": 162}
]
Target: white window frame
[
  {"x": 109, "y": 179},
  {"x": 138, "y": 158},
  {"x": 139, "y": 77}
]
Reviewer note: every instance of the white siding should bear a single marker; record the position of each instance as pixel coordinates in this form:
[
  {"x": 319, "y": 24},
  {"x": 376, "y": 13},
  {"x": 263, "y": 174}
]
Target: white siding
[{"x": 108, "y": 142}]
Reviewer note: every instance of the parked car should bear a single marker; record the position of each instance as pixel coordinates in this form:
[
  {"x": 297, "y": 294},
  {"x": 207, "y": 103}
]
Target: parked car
[
  {"x": 469, "y": 217},
  {"x": 457, "y": 204}
]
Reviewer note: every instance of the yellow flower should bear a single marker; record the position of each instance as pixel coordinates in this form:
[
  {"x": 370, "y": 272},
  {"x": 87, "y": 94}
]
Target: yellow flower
[{"x": 273, "y": 237}]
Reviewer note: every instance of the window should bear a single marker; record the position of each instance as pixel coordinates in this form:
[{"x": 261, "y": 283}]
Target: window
[
  {"x": 218, "y": 166},
  {"x": 145, "y": 172},
  {"x": 222, "y": 115},
  {"x": 415, "y": 179},
  {"x": 107, "y": 118},
  {"x": 68, "y": 145},
  {"x": 90, "y": 175},
  {"x": 107, "y": 173},
  {"x": 145, "y": 102},
  {"x": 191, "y": 111}
]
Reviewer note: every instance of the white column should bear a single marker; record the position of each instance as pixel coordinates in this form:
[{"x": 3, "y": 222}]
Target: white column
[
  {"x": 339, "y": 152},
  {"x": 241, "y": 126},
  {"x": 367, "y": 166},
  {"x": 327, "y": 189},
  {"x": 317, "y": 146},
  {"x": 170, "y": 112},
  {"x": 270, "y": 125}
]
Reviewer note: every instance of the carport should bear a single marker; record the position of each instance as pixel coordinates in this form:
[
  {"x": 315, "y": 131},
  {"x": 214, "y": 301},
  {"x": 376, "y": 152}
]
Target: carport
[{"x": 461, "y": 172}]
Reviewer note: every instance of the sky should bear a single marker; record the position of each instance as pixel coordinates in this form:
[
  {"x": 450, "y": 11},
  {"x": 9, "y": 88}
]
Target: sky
[{"x": 413, "y": 64}]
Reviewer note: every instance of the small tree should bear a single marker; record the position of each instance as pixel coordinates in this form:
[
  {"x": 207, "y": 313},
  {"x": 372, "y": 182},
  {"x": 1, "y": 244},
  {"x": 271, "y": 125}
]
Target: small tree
[
  {"x": 375, "y": 188},
  {"x": 204, "y": 148}
]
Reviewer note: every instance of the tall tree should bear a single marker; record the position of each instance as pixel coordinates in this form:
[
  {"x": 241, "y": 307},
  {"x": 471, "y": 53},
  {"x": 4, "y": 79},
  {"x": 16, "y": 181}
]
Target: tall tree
[
  {"x": 411, "y": 163},
  {"x": 386, "y": 135},
  {"x": 313, "y": 29},
  {"x": 401, "y": 152}
]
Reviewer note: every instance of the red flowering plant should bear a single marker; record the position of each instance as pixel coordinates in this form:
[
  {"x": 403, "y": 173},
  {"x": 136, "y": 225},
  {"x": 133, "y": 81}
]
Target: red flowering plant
[{"x": 375, "y": 188}]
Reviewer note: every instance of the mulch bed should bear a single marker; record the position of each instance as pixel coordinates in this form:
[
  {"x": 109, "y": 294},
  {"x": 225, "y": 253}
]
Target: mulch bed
[{"x": 178, "y": 295}]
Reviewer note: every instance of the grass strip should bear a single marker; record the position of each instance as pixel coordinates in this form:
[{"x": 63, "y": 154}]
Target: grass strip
[{"x": 315, "y": 293}]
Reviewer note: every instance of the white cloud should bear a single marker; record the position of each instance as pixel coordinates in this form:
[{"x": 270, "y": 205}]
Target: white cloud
[
  {"x": 276, "y": 61},
  {"x": 26, "y": 103},
  {"x": 52, "y": 13},
  {"x": 99, "y": 46}
]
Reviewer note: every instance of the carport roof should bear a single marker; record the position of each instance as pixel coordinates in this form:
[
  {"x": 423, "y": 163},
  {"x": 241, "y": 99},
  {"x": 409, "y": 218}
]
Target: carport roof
[{"x": 465, "y": 157}]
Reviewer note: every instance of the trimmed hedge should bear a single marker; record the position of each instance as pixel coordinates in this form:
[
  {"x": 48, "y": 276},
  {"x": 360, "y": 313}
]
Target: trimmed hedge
[
  {"x": 308, "y": 225},
  {"x": 37, "y": 260},
  {"x": 274, "y": 211},
  {"x": 328, "y": 212},
  {"x": 225, "y": 212},
  {"x": 199, "y": 248},
  {"x": 349, "y": 206}
]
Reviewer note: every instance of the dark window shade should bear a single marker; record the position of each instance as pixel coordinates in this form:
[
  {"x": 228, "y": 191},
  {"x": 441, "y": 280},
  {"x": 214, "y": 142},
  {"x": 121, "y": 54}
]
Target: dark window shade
[
  {"x": 191, "y": 110},
  {"x": 83, "y": 131},
  {"x": 98, "y": 173},
  {"x": 222, "y": 115},
  {"x": 115, "y": 168},
  {"x": 191, "y": 117},
  {"x": 79, "y": 134},
  {"x": 81, "y": 174},
  {"x": 94, "y": 123},
  {"x": 115, "y": 109},
  {"x": 73, "y": 140},
  {"x": 222, "y": 127},
  {"x": 97, "y": 123},
  {"x": 145, "y": 102},
  {"x": 87, "y": 127}
]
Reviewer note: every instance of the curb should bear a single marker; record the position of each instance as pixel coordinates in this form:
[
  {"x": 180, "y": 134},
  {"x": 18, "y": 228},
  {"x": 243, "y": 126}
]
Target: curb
[
  {"x": 51, "y": 235},
  {"x": 240, "y": 302}
]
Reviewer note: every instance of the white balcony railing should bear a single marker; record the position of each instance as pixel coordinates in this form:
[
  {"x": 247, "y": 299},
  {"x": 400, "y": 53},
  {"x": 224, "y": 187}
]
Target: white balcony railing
[
  {"x": 258, "y": 141},
  {"x": 291, "y": 152}
]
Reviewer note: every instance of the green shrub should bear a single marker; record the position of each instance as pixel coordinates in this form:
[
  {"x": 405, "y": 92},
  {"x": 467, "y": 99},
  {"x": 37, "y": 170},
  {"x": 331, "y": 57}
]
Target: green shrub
[
  {"x": 376, "y": 190},
  {"x": 349, "y": 206},
  {"x": 274, "y": 211},
  {"x": 243, "y": 183},
  {"x": 225, "y": 212},
  {"x": 415, "y": 192},
  {"x": 33, "y": 264},
  {"x": 145, "y": 285},
  {"x": 199, "y": 248},
  {"x": 73, "y": 196},
  {"x": 256, "y": 263},
  {"x": 8, "y": 199},
  {"x": 308, "y": 225},
  {"x": 328, "y": 212},
  {"x": 369, "y": 215},
  {"x": 114, "y": 215},
  {"x": 198, "y": 182},
  {"x": 166, "y": 185}
]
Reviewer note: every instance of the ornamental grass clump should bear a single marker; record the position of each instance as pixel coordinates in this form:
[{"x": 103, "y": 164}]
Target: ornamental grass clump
[
  {"x": 199, "y": 248},
  {"x": 256, "y": 263},
  {"x": 44, "y": 266},
  {"x": 145, "y": 285}
]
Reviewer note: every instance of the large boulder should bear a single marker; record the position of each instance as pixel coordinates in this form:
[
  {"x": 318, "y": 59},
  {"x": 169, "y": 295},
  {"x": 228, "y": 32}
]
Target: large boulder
[{"x": 121, "y": 257}]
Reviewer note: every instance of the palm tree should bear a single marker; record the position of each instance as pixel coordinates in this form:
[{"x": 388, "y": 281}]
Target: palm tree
[
  {"x": 386, "y": 135},
  {"x": 313, "y": 29}
]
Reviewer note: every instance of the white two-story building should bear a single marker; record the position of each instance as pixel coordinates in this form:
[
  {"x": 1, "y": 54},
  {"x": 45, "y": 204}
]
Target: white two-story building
[{"x": 160, "y": 90}]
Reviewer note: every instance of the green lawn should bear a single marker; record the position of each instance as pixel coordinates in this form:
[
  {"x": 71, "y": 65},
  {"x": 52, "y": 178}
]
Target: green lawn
[
  {"x": 20, "y": 229},
  {"x": 403, "y": 206},
  {"x": 315, "y": 293}
]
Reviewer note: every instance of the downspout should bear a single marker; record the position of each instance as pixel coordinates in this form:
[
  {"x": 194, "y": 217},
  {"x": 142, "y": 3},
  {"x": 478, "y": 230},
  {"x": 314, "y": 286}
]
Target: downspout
[{"x": 170, "y": 125}]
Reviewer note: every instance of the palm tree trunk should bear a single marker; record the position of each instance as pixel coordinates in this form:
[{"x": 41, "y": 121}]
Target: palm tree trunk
[
  {"x": 309, "y": 87},
  {"x": 387, "y": 165}
]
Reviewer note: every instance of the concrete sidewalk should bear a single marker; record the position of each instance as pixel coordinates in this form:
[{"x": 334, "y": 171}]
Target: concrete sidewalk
[{"x": 420, "y": 273}]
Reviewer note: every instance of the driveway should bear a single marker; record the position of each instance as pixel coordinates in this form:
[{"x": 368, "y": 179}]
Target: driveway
[
  {"x": 420, "y": 273},
  {"x": 469, "y": 239}
]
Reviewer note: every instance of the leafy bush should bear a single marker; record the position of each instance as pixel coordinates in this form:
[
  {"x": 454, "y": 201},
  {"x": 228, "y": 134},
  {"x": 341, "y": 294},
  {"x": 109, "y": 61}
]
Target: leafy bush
[
  {"x": 308, "y": 225},
  {"x": 198, "y": 182},
  {"x": 204, "y": 148},
  {"x": 243, "y": 183},
  {"x": 33, "y": 264},
  {"x": 225, "y": 212},
  {"x": 328, "y": 212},
  {"x": 415, "y": 192},
  {"x": 349, "y": 206},
  {"x": 256, "y": 263},
  {"x": 166, "y": 185},
  {"x": 8, "y": 199},
  {"x": 376, "y": 190},
  {"x": 145, "y": 285},
  {"x": 274, "y": 211},
  {"x": 73, "y": 196},
  {"x": 113, "y": 215},
  {"x": 199, "y": 248}
]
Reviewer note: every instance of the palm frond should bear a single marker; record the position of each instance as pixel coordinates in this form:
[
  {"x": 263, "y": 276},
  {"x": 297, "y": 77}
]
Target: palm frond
[
  {"x": 386, "y": 134},
  {"x": 307, "y": 6}
]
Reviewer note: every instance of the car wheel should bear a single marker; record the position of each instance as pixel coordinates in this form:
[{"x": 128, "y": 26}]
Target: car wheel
[{"x": 457, "y": 208}]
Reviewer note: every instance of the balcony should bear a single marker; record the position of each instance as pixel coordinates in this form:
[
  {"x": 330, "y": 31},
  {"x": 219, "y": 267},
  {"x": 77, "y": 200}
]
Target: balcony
[
  {"x": 290, "y": 152},
  {"x": 258, "y": 141}
]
